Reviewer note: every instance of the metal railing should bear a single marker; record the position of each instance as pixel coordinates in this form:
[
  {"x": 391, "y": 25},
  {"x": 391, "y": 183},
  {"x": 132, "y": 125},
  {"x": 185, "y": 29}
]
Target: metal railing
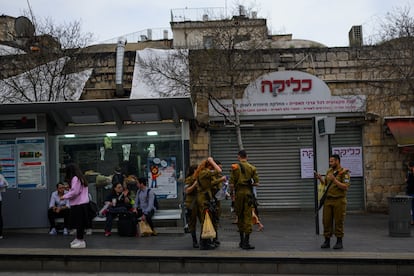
[
  {"x": 143, "y": 35},
  {"x": 198, "y": 14}
]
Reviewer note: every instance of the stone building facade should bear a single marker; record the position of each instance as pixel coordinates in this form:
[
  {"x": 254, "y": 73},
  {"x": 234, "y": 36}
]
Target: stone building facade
[
  {"x": 7, "y": 31},
  {"x": 345, "y": 70}
]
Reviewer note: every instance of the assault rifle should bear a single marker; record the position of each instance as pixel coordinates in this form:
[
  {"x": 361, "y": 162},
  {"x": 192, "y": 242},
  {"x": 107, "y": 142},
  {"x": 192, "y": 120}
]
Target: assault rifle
[{"x": 325, "y": 194}]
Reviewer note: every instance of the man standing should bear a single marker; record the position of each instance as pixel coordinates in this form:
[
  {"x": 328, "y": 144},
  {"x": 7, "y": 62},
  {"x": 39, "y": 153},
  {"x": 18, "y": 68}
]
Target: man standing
[
  {"x": 337, "y": 181},
  {"x": 243, "y": 177}
]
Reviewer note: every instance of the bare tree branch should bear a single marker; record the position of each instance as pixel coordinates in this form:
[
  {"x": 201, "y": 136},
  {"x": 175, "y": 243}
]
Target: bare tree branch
[
  {"x": 48, "y": 67},
  {"x": 388, "y": 66}
]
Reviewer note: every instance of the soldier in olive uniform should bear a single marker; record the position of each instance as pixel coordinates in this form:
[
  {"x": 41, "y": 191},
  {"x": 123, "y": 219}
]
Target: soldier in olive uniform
[
  {"x": 243, "y": 176},
  {"x": 334, "y": 208},
  {"x": 206, "y": 172},
  {"x": 190, "y": 190}
]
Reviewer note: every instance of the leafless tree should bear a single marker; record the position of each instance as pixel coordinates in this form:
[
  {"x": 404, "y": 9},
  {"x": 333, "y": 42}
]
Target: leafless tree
[
  {"x": 219, "y": 66},
  {"x": 46, "y": 67},
  {"x": 389, "y": 63},
  {"x": 165, "y": 73}
]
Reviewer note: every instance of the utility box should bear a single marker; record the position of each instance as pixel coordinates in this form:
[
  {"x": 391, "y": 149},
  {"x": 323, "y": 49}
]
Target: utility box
[
  {"x": 399, "y": 216},
  {"x": 326, "y": 125}
]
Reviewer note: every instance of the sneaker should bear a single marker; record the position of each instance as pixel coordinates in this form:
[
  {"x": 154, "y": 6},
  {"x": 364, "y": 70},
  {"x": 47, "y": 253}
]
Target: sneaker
[
  {"x": 1, "y": 237},
  {"x": 89, "y": 231},
  {"x": 103, "y": 213},
  {"x": 65, "y": 232},
  {"x": 72, "y": 232},
  {"x": 107, "y": 233},
  {"x": 74, "y": 241},
  {"x": 78, "y": 244},
  {"x": 53, "y": 232}
]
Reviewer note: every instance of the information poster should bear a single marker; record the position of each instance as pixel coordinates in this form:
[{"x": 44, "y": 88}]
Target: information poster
[
  {"x": 162, "y": 176},
  {"x": 31, "y": 160},
  {"x": 306, "y": 163},
  {"x": 8, "y": 161},
  {"x": 351, "y": 158}
]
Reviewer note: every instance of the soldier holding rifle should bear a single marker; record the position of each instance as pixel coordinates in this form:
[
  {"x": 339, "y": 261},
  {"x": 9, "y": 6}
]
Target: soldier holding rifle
[{"x": 336, "y": 181}]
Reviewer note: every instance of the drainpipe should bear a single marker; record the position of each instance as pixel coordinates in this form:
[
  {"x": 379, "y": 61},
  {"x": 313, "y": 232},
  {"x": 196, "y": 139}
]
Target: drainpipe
[{"x": 119, "y": 70}]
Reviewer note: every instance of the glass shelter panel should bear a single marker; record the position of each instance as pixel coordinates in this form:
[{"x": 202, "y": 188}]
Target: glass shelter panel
[{"x": 136, "y": 154}]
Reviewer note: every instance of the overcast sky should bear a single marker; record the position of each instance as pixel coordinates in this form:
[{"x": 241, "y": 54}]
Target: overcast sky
[{"x": 324, "y": 21}]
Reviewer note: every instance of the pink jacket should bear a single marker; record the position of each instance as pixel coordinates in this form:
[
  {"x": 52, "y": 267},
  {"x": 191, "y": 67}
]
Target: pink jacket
[{"x": 77, "y": 194}]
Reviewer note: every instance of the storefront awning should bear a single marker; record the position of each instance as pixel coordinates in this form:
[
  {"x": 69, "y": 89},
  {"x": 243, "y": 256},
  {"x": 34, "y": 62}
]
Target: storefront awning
[
  {"x": 102, "y": 111},
  {"x": 402, "y": 128}
]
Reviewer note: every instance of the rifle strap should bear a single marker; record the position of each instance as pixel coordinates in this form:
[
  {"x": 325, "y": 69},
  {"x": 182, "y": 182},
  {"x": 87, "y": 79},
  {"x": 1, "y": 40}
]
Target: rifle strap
[
  {"x": 330, "y": 183},
  {"x": 336, "y": 173},
  {"x": 242, "y": 169}
]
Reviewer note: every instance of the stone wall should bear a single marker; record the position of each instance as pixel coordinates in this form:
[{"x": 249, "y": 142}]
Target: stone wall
[
  {"x": 101, "y": 84},
  {"x": 7, "y": 30}
]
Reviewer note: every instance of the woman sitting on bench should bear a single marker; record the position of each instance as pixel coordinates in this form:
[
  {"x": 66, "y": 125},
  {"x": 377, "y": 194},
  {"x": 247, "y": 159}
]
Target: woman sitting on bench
[{"x": 118, "y": 202}]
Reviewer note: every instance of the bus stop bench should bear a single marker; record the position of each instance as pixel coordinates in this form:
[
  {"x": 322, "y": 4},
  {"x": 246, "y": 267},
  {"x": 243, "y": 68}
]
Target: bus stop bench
[{"x": 168, "y": 214}]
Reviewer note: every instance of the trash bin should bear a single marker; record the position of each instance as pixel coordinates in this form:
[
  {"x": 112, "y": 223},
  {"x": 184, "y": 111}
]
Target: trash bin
[{"x": 399, "y": 216}]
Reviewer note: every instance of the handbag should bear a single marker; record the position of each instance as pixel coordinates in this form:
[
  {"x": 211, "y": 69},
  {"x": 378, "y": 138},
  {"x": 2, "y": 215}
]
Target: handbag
[
  {"x": 144, "y": 228},
  {"x": 208, "y": 229}
]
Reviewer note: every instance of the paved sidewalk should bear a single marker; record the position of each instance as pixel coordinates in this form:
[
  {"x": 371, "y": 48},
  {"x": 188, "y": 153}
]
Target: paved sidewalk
[
  {"x": 288, "y": 245},
  {"x": 283, "y": 232}
]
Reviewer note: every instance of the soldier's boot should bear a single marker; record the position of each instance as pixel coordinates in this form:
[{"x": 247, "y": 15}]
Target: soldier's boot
[
  {"x": 327, "y": 243},
  {"x": 246, "y": 244},
  {"x": 195, "y": 242},
  {"x": 338, "y": 244},
  {"x": 216, "y": 241},
  {"x": 205, "y": 244},
  {"x": 241, "y": 239}
]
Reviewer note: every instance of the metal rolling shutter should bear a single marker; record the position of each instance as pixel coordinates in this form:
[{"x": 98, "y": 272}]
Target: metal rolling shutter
[
  {"x": 274, "y": 148},
  {"x": 351, "y": 136}
]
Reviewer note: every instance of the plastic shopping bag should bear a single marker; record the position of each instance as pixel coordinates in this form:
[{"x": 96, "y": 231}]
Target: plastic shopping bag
[
  {"x": 208, "y": 229},
  {"x": 144, "y": 228}
]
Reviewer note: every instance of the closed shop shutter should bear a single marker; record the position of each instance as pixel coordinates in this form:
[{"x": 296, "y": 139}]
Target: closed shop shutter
[
  {"x": 274, "y": 148},
  {"x": 351, "y": 136}
]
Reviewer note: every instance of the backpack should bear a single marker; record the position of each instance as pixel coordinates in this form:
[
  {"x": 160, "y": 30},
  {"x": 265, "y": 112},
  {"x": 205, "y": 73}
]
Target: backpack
[{"x": 156, "y": 204}]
